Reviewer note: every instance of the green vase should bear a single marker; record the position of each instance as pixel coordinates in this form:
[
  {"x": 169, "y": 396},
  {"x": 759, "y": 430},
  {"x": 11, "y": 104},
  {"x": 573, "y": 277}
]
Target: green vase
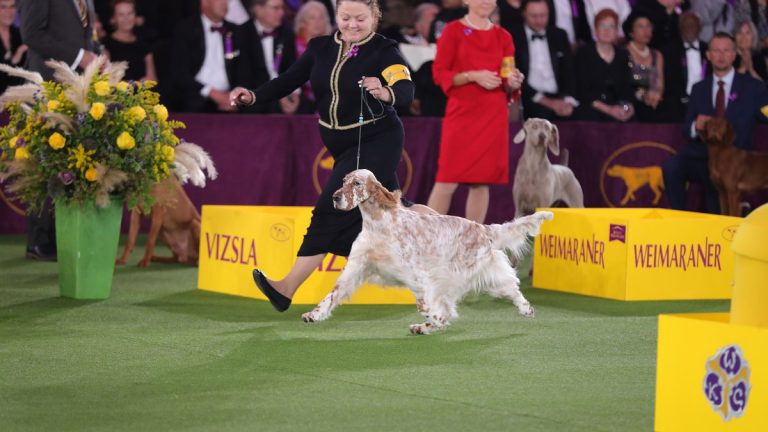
[{"x": 87, "y": 238}]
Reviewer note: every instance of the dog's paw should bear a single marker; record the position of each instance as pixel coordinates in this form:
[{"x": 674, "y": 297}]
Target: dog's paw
[
  {"x": 308, "y": 317},
  {"x": 420, "y": 329},
  {"x": 526, "y": 310},
  {"x": 120, "y": 261}
]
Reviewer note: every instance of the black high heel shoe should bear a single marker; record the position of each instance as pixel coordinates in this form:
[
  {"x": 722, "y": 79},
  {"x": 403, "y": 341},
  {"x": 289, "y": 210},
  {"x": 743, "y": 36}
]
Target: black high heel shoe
[{"x": 280, "y": 302}]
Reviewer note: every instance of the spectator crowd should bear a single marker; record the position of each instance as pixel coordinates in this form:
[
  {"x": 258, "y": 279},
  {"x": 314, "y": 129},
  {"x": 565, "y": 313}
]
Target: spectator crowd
[{"x": 596, "y": 60}]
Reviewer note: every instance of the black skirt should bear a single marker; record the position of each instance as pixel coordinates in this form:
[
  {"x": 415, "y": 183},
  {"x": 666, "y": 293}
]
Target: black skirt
[{"x": 334, "y": 231}]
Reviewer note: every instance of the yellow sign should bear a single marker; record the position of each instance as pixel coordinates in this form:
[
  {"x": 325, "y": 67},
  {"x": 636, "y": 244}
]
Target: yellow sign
[
  {"x": 711, "y": 374},
  {"x": 236, "y": 239},
  {"x": 636, "y": 254}
]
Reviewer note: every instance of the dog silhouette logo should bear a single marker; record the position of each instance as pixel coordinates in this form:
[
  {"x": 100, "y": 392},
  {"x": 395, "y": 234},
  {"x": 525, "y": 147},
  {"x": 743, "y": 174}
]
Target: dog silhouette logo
[
  {"x": 280, "y": 232},
  {"x": 628, "y": 171},
  {"x": 323, "y": 166},
  {"x": 726, "y": 383},
  {"x": 10, "y": 202},
  {"x": 729, "y": 232}
]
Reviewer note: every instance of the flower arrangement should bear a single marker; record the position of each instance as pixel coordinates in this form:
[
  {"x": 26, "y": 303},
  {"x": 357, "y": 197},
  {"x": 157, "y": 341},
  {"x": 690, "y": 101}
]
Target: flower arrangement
[{"x": 86, "y": 137}]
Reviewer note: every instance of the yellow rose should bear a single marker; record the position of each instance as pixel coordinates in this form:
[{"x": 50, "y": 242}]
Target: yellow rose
[
  {"x": 764, "y": 110},
  {"x": 90, "y": 175},
  {"x": 53, "y": 105},
  {"x": 123, "y": 86},
  {"x": 12, "y": 142},
  {"x": 97, "y": 110},
  {"x": 137, "y": 113},
  {"x": 125, "y": 141},
  {"x": 56, "y": 141},
  {"x": 102, "y": 88},
  {"x": 21, "y": 153},
  {"x": 161, "y": 112}
]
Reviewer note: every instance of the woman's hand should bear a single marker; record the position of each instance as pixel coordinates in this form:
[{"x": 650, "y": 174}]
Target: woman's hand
[
  {"x": 622, "y": 112},
  {"x": 375, "y": 89},
  {"x": 652, "y": 98},
  {"x": 515, "y": 79},
  {"x": 486, "y": 79},
  {"x": 18, "y": 54},
  {"x": 240, "y": 96}
]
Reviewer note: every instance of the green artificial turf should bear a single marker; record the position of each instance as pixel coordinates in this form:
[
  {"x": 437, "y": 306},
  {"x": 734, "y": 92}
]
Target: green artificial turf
[{"x": 161, "y": 355}]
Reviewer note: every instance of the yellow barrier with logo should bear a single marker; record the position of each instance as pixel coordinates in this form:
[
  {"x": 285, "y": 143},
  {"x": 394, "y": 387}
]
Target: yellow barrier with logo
[
  {"x": 636, "y": 254},
  {"x": 236, "y": 239},
  {"x": 711, "y": 375}
]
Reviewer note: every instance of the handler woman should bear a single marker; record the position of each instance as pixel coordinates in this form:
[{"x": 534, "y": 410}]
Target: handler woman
[{"x": 337, "y": 66}]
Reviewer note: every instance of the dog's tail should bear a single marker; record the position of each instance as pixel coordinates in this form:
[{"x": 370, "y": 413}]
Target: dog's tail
[{"x": 513, "y": 236}]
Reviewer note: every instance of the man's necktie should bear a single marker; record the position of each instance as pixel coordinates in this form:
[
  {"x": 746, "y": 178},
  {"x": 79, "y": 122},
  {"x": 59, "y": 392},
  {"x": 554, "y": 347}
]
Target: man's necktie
[
  {"x": 535, "y": 36},
  {"x": 266, "y": 33},
  {"x": 720, "y": 99},
  {"x": 83, "y": 12},
  {"x": 219, "y": 29},
  {"x": 691, "y": 47}
]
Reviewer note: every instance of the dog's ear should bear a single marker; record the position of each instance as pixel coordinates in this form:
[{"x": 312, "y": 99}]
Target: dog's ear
[
  {"x": 520, "y": 136},
  {"x": 385, "y": 197},
  {"x": 554, "y": 140},
  {"x": 729, "y": 135}
]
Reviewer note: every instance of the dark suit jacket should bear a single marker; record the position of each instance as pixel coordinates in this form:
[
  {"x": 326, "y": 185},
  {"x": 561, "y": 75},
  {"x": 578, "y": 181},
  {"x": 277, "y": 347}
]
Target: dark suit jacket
[
  {"x": 188, "y": 55},
  {"x": 748, "y": 95},
  {"x": 52, "y": 30},
  {"x": 675, "y": 98},
  {"x": 560, "y": 55},
  {"x": 6, "y": 56},
  {"x": 251, "y": 70}
]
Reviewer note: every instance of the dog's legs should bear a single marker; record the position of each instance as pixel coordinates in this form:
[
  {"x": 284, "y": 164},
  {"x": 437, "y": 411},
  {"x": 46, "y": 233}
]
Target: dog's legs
[
  {"x": 629, "y": 195},
  {"x": 154, "y": 229},
  {"x": 437, "y": 313},
  {"x": 346, "y": 284},
  {"x": 506, "y": 285},
  {"x": 133, "y": 231},
  {"x": 734, "y": 208},
  {"x": 656, "y": 188}
]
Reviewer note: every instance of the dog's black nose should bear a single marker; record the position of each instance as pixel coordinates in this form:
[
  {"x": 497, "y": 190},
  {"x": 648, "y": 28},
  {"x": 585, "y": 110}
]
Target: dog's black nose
[{"x": 336, "y": 198}]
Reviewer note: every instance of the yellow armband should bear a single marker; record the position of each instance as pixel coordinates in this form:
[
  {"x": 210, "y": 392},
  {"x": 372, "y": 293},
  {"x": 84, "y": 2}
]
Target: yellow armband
[{"x": 396, "y": 73}]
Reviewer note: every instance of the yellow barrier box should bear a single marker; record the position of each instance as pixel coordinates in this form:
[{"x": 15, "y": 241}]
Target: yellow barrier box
[
  {"x": 711, "y": 375},
  {"x": 236, "y": 239},
  {"x": 636, "y": 254}
]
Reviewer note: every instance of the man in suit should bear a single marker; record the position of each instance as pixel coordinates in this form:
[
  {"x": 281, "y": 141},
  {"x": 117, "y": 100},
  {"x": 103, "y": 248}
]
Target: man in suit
[
  {"x": 543, "y": 54},
  {"x": 204, "y": 57},
  {"x": 685, "y": 64},
  {"x": 725, "y": 93},
  {"x": 267, "y": 49},
  {"x": 571, "y": 16},
  {"x": 59, "y": 30}
]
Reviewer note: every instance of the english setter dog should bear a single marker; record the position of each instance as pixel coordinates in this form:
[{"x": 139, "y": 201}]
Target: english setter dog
[{"x": 439, "y": 258}]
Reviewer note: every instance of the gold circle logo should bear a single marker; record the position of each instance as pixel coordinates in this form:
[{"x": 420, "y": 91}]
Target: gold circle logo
[
  {"x": 620, "y": 170},
  {"x": 280, "y": 232},
  {"x": 729, "y": 232}
]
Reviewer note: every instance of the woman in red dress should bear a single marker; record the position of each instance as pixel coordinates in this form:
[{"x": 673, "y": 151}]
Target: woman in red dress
[{"x": 474, "y": 66}]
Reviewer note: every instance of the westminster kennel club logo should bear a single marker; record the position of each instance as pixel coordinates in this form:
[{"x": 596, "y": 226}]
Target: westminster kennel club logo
[
  {"x": 323, "y": 166},
  {"x": 726, "y": 383},
  {"x": 631, "y": 176}
]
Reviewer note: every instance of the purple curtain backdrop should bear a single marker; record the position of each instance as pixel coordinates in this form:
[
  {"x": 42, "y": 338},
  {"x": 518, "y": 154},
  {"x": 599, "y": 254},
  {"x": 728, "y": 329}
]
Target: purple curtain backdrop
[{"x": 279, "y": 160}]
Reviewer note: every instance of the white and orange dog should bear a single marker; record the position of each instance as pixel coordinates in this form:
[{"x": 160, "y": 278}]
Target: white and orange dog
[{"x": 439, "y": 258}]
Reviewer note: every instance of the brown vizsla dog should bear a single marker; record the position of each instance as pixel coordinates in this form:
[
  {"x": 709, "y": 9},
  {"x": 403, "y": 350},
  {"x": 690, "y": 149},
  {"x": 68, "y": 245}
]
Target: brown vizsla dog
[
  {"x": 174, "y": 219},
  {"x": 733, "y": 171}
]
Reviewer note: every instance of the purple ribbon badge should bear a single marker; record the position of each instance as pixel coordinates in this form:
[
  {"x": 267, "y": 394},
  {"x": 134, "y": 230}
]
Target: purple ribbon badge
[
  {"x": 618, "y": 233},
  {"x": 467, "y": 31},
  {"x": 353, "y": 51},
  {"x": 732, "y": 97}
]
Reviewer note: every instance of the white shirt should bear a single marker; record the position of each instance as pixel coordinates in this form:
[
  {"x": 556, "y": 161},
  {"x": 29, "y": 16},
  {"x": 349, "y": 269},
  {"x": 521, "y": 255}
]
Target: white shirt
[
  {"x": 268, "y": 46},
  {"x": 727, "y": 85},
  {"x": 80, "y": 53},
  {"x": 541, "y": 75},
  {"x": 564, "y": 18},
  {"x": 213, "y": 74},
  {"x": 693, "y": 63}
]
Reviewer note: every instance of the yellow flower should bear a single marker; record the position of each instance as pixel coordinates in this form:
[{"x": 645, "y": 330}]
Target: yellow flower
[
  {"x": 56, "y": 141},
  {"x": 53, "y": 105},
  {"x": 79, "y": 157},
  {"x": 90, "y": 175},
  {"x": 21, "y": 153},
  {"x": 12, "y": 141},
  {"x": 97, "y": 110},
  {"x": 125, "y": 141},
  {"x": 123, "y": 86},
  {"x": 137, "y": 113},
  {"x": 161, "y": 112},
  {"x": 101, "y": 88},
  {"x": 168, "y": 152},
  {"x": 764, "y": 110}
]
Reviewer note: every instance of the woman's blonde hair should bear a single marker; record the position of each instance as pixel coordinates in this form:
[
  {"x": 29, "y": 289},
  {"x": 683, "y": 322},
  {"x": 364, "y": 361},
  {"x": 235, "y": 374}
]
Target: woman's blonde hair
[
  {"x": 752, "y": 28},
  {"x": 372, "y": 4}
]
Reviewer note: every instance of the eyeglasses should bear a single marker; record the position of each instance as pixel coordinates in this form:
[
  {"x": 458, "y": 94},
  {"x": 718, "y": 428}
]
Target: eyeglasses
[{"x": 606, "y": 26}]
